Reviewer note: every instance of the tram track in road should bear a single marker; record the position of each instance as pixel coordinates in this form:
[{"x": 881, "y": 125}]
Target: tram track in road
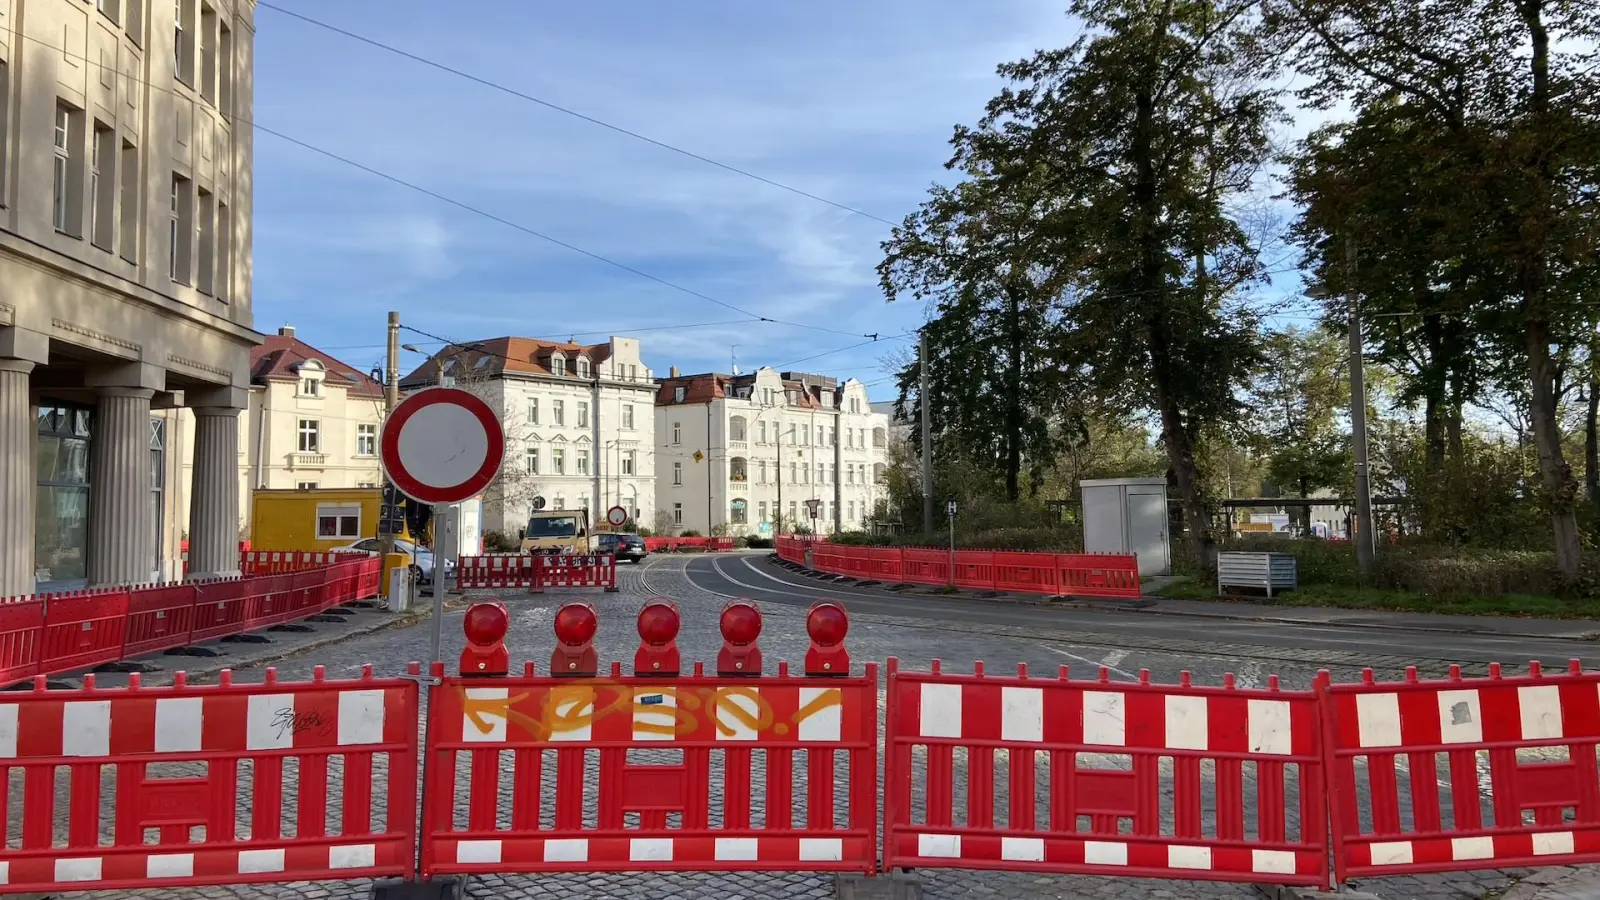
[{"x": 1317, "y": 646}]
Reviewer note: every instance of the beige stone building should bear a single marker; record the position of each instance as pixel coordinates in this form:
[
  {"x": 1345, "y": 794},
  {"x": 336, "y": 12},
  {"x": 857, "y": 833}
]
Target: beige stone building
[{"x": 125, "y": 269}]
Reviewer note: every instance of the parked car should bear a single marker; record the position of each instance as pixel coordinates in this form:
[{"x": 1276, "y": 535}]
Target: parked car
[
  {"x": 624, "y": 546},
  {"x": 421, "y": 557}
]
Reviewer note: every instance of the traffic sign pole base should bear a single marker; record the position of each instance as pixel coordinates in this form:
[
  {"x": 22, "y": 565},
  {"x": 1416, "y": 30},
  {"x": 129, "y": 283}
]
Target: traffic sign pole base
[{"x": 448, "y": 887}]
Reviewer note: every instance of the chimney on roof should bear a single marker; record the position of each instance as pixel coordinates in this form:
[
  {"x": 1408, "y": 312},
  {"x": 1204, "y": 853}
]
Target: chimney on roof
[
  {"x": 672, "y": 372},
  {"x": 286, "y": 331}
]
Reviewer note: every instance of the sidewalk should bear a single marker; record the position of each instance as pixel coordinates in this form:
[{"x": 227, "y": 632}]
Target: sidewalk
[{"x": 1567, "y": 629}]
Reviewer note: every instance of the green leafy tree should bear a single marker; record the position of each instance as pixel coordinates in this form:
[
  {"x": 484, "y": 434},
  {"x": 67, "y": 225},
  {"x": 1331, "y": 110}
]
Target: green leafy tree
[
  {"x": 1138, "y": 141},
  {"x": 1296, "y": 400},
  {"x": 993, "y": 377},
  {"x": 1513, "y": 89}
]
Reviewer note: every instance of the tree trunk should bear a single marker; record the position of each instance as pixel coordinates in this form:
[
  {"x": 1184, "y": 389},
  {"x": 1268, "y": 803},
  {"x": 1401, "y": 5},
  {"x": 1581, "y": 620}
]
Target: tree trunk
[
  {"x": 1560, "y": 488},
  {"x": 1186, "y": 478}
]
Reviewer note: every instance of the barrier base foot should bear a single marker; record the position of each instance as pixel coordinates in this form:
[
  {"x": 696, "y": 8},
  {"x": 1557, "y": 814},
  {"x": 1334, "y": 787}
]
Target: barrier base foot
[
  {"x": 199, "y": 652},
  {"x": 323, "y": 617},
  {"x": 889, "y": 886},
  {"x": 1281, "y": 892},
  {"x": 612, "y": 590},
  {"x": 292, "y": 628},
  {"x": 366, "y": 604},
  {"x": 340, "y": 611},
  {"x": 447, "y": 887},
  {"x": 247, "y": 639}
]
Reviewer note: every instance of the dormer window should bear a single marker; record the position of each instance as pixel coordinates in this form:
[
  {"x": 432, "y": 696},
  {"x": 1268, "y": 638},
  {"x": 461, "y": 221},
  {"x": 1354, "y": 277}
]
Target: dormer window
[
  {"x": 583, "y": 367},
  {"x": 678, "y": 394},
  {"x": 311, "y": 374},
  {"x": 483, "y": 362},
  {"x": 558, "y": 364}
]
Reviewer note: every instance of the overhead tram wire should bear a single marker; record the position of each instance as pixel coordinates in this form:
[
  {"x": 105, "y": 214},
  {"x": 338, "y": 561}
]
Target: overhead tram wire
[
  {"x": 575, "y": 334},
  {"x": 457, "y": 203},
  {"x": 494, "y": 85}
]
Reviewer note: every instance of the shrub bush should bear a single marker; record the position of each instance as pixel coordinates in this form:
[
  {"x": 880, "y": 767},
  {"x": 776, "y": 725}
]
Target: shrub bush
[
  {"x": 688, "y": 532},
  {"x": 758, "y": 543},
  {"x": 500, "y": 542}
]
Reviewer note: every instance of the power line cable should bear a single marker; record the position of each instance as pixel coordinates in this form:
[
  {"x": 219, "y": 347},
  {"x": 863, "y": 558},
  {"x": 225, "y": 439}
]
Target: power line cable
[
  {"x": 495, "y": 85},
  {"x": 608, "y": 331},
  {"x": 454, "y": 202}
]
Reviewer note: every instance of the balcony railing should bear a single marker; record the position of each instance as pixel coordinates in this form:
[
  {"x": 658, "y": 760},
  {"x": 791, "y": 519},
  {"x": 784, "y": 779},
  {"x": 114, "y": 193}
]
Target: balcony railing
[{"x": 307, "y": 460}]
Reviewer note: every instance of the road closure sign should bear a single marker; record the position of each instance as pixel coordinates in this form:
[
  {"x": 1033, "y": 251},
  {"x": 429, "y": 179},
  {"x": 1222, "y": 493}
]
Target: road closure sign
[{"x": 441, "y": 446}]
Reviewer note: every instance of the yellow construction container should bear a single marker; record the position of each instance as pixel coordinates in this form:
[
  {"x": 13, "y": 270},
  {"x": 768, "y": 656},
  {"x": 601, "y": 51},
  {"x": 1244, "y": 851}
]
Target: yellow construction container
[{"x": 315, "y": 519}]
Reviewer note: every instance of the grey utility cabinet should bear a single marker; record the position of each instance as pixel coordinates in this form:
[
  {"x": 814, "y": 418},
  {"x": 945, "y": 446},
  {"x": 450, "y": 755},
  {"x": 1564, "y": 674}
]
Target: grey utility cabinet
[{"x": 1128, "y": 515}]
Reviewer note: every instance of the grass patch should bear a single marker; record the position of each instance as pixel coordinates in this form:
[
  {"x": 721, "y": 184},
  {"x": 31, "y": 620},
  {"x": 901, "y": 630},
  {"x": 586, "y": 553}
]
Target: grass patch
[{"x": 1338, "y": 596}]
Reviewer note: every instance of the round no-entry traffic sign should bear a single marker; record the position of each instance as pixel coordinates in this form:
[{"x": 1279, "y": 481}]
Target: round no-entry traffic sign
[
  {"x": 617, "y": 516},
  {"x": 442, "y": 445}
]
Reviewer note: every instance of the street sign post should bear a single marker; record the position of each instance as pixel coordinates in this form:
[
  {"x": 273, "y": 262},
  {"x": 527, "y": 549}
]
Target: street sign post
[
  {"x": 441, "y": 446},
  {"x": 617, "y": 516},
  {"x": 812, "y": 506},
  {"x": 538, "y": 501},
  {"x": 951, "y": 508}
]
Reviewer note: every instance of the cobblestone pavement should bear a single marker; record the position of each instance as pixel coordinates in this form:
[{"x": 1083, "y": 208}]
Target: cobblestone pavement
[
  {"x": 871, "y": 638},
  {"x": 1577, "y": 883}
]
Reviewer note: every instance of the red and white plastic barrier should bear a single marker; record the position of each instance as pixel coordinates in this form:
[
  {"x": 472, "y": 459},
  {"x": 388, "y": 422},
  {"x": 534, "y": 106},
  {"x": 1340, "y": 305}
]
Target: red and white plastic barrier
[
  {"x": 536, "y": 571},
  {"x": 1151, "y": 743},
  {"x": 1082, "y": 574},
  {"x": 214, "y": 728}
]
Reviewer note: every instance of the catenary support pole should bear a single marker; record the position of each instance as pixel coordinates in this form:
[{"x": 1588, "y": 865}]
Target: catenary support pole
[
  {"x": 1365, "y": 536},
  {"x": 927, "y": 434}
]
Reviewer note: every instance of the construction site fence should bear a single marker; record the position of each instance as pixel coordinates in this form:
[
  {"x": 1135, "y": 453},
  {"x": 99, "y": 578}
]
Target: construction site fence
[
  {"x": 57, "y": 633},
  {"x": 1080, "y": 574}
]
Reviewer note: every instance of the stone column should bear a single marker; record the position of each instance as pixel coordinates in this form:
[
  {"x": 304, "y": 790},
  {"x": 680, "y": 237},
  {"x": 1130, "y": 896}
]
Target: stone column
[
  {"x": 119, "y": 488},
  {"x": 18, "y": 479},
  {"x": 214, "y": 498}
]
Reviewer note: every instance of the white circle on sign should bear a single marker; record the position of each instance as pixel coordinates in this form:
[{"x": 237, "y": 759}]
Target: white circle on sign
[{"x": 443, "y": 445}]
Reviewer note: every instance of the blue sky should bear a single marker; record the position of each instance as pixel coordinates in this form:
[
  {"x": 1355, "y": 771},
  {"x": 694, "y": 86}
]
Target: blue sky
[{"x": 851, "y": 101}]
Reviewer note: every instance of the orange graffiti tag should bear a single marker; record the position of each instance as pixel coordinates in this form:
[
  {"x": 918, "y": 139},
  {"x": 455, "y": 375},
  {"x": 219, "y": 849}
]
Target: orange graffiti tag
[{"x": 571, "y": 708}]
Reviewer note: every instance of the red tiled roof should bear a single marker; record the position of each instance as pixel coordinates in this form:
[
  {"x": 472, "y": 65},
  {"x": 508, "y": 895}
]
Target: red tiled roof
[
  {"x": 278, "y": 358},
  {"x": 515, "y": 355}
]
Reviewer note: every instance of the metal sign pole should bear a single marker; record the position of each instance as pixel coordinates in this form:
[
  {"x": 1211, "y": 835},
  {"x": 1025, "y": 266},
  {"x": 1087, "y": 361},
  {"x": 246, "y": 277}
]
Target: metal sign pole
[{"x": 440, "y": 511}]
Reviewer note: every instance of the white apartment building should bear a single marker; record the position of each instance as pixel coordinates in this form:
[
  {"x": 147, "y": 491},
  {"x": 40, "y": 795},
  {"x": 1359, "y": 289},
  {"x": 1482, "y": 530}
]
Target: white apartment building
[
  {"x": 579, "y": 432},
  {"x": 312, "y": 421},
  {"x": 125, "y": 270},
  {"x": 744, "y": 452}
]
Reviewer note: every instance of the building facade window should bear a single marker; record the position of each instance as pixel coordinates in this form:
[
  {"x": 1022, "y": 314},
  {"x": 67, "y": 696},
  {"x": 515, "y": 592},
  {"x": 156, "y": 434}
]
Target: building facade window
[
  {"x": 180, "y": 230},
  {"x": 761, "y": 512},
  {"x": 533, "y": 412},
  {"x": 677, "y": 473},
  {"x": 61, "y": 507},
  {"x": 736, "y": 429},
  {"x": 558, "y": 461},
  {"x": 158, "y": 483},
  {"x": 583, "y": 462},
  {"x": 738, "y": 469},
  {"x": 366, "y": 440},
  {"x": 736, "y": 512},
  {"x": 583, "y": 414},
  {"x": 67, "y": 199},
  {"x": 310, "y": 436},
  {"x": 103, "y": 188},
  {"x": 128, "y": 175},
  {"x": 627, "y": 416},
  {"x": 583, "y": 367},
  {"x": 630, "y": 462},
  {"x": 677, "y": 433},
  {"x": 305, "y": 485},
  {"x": 530, "y": 461},
  {"x": 558, "y": 365},
  {"x": 341, "y": 521},
  {"x": 558, "y": 412},
  {"x": 679, "y": 393},
  {"x": 677, "y": 513}
]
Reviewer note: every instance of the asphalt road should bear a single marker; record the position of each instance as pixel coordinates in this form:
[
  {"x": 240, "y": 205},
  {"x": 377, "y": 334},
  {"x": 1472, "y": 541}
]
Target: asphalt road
[{"x": 759, "y": 578}]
